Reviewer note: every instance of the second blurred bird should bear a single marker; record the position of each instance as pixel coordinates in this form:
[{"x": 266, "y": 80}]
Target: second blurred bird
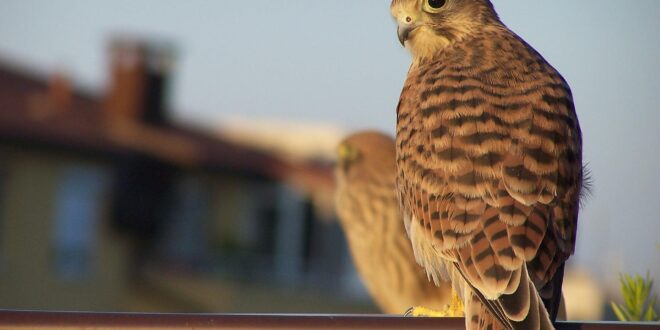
[{"x": 369, "y": 214}]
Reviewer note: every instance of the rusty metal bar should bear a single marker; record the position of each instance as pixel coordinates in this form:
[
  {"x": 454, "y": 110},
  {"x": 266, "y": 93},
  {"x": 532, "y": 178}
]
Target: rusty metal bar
[{"x": 12, "y": 320}]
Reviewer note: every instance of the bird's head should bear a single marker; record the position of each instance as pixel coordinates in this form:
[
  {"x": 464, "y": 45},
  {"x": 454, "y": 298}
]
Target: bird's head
[
  {"x": 427, "y": 26},
  {"x": 364, "y": 156}
]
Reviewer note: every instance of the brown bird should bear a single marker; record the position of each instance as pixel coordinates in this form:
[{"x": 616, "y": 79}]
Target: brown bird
[
  {"x": 369, "y": 213},
  {"x": 489, "y": 158}
]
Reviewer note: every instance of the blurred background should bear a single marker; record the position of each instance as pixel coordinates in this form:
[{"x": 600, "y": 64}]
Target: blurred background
[{"x": 171, "y": 156}]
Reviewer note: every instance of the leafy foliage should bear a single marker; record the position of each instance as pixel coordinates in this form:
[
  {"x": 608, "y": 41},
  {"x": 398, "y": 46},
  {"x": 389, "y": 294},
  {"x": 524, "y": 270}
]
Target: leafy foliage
[{"x": 639, "y": 302}]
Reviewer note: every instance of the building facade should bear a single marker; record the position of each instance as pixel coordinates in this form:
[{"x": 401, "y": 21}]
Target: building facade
[{"x": 105, "y": 204}]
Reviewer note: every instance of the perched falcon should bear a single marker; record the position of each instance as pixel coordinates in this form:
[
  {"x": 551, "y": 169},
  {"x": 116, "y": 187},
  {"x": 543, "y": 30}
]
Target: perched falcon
[
  {"x": 489, "y": 161},
  {"x": 370, "y": 216}
]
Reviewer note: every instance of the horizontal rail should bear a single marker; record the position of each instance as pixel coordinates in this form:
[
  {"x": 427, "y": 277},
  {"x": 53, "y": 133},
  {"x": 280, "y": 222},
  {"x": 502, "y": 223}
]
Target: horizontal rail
[{"x": 11, "y": 320}]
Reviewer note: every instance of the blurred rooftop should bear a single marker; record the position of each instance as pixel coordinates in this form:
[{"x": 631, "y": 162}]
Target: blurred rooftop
[
  {"x": 48, "y": 112},
  {"x": 33, "y": 114}
]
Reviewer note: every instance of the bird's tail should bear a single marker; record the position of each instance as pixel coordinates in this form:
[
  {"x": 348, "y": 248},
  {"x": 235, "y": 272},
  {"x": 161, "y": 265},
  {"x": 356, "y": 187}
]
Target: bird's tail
[{"x": 521, "y": 310}]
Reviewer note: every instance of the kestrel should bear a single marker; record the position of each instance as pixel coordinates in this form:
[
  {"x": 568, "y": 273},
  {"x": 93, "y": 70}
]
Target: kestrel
[
  {"x": 489, "y": 160},
  {"x": 369, "y": 213}
]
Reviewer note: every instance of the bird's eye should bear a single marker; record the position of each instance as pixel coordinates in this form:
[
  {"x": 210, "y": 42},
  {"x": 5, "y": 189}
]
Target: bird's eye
[
  {"x": 436, "y": 3},
  {"x": 433, "y": 6}
]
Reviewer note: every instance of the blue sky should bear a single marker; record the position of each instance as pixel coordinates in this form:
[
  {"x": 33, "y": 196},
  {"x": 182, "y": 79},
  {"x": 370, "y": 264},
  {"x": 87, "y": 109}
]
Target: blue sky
[{"x": 339, "y": 62}]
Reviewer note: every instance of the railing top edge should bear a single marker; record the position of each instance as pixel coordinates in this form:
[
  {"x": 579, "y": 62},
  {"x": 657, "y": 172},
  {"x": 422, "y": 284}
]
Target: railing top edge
[{"x": 16, "y": 319}]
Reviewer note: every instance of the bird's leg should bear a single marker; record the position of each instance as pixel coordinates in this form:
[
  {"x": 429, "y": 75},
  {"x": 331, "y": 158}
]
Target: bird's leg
[{"x": 453, "y": 309}]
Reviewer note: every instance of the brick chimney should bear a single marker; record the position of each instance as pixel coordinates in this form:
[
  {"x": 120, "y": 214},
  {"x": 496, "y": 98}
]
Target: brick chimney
[{"x": 139, "y": 77}]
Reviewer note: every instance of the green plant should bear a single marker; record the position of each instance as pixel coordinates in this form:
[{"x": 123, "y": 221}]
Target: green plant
[{"x": 639, "y": 302}]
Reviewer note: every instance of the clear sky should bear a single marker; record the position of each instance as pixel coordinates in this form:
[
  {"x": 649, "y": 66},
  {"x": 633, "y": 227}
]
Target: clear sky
[{"x": 339, "y": 62}]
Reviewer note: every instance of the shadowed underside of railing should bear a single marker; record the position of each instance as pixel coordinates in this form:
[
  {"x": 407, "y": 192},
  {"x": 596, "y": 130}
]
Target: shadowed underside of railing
[{"x": 69, "y": 320}]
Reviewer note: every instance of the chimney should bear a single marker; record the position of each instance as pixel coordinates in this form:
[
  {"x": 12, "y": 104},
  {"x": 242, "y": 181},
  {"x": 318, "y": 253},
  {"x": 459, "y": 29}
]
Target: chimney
[{"x": 139, "y": 77}]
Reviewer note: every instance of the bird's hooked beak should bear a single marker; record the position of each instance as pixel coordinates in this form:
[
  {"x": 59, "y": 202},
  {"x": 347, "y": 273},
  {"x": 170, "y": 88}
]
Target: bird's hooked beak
[
  {"x": 346, "y": 156},
  {"x": 406, "y": 25}
]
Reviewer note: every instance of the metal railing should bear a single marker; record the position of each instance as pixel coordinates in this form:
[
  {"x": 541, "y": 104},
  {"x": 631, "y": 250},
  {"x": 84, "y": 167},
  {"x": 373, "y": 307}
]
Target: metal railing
[{"x": 11, "y": 320}]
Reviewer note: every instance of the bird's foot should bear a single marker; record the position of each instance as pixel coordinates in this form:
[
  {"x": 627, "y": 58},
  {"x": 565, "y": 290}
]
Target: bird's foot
[
  {"x": 419, "y": 311},
  {"x": 454, "y": 309}
]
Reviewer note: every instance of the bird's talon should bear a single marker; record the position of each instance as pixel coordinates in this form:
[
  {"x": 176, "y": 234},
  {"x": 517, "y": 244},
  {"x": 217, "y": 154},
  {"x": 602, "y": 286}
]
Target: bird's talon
[{"x": 419, "y": 311}]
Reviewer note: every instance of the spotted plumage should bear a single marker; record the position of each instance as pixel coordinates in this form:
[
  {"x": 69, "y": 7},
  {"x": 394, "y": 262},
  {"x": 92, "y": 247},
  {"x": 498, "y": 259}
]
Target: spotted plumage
[
  {"x": 489, "y": 161},
  {"x": 368, "y": 209}
]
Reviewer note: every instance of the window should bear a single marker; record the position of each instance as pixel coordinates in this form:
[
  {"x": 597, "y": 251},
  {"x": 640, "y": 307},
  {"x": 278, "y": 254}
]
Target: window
[
  {"x": 77, "y": 214},
  {"x": 184, "y": 240}
]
